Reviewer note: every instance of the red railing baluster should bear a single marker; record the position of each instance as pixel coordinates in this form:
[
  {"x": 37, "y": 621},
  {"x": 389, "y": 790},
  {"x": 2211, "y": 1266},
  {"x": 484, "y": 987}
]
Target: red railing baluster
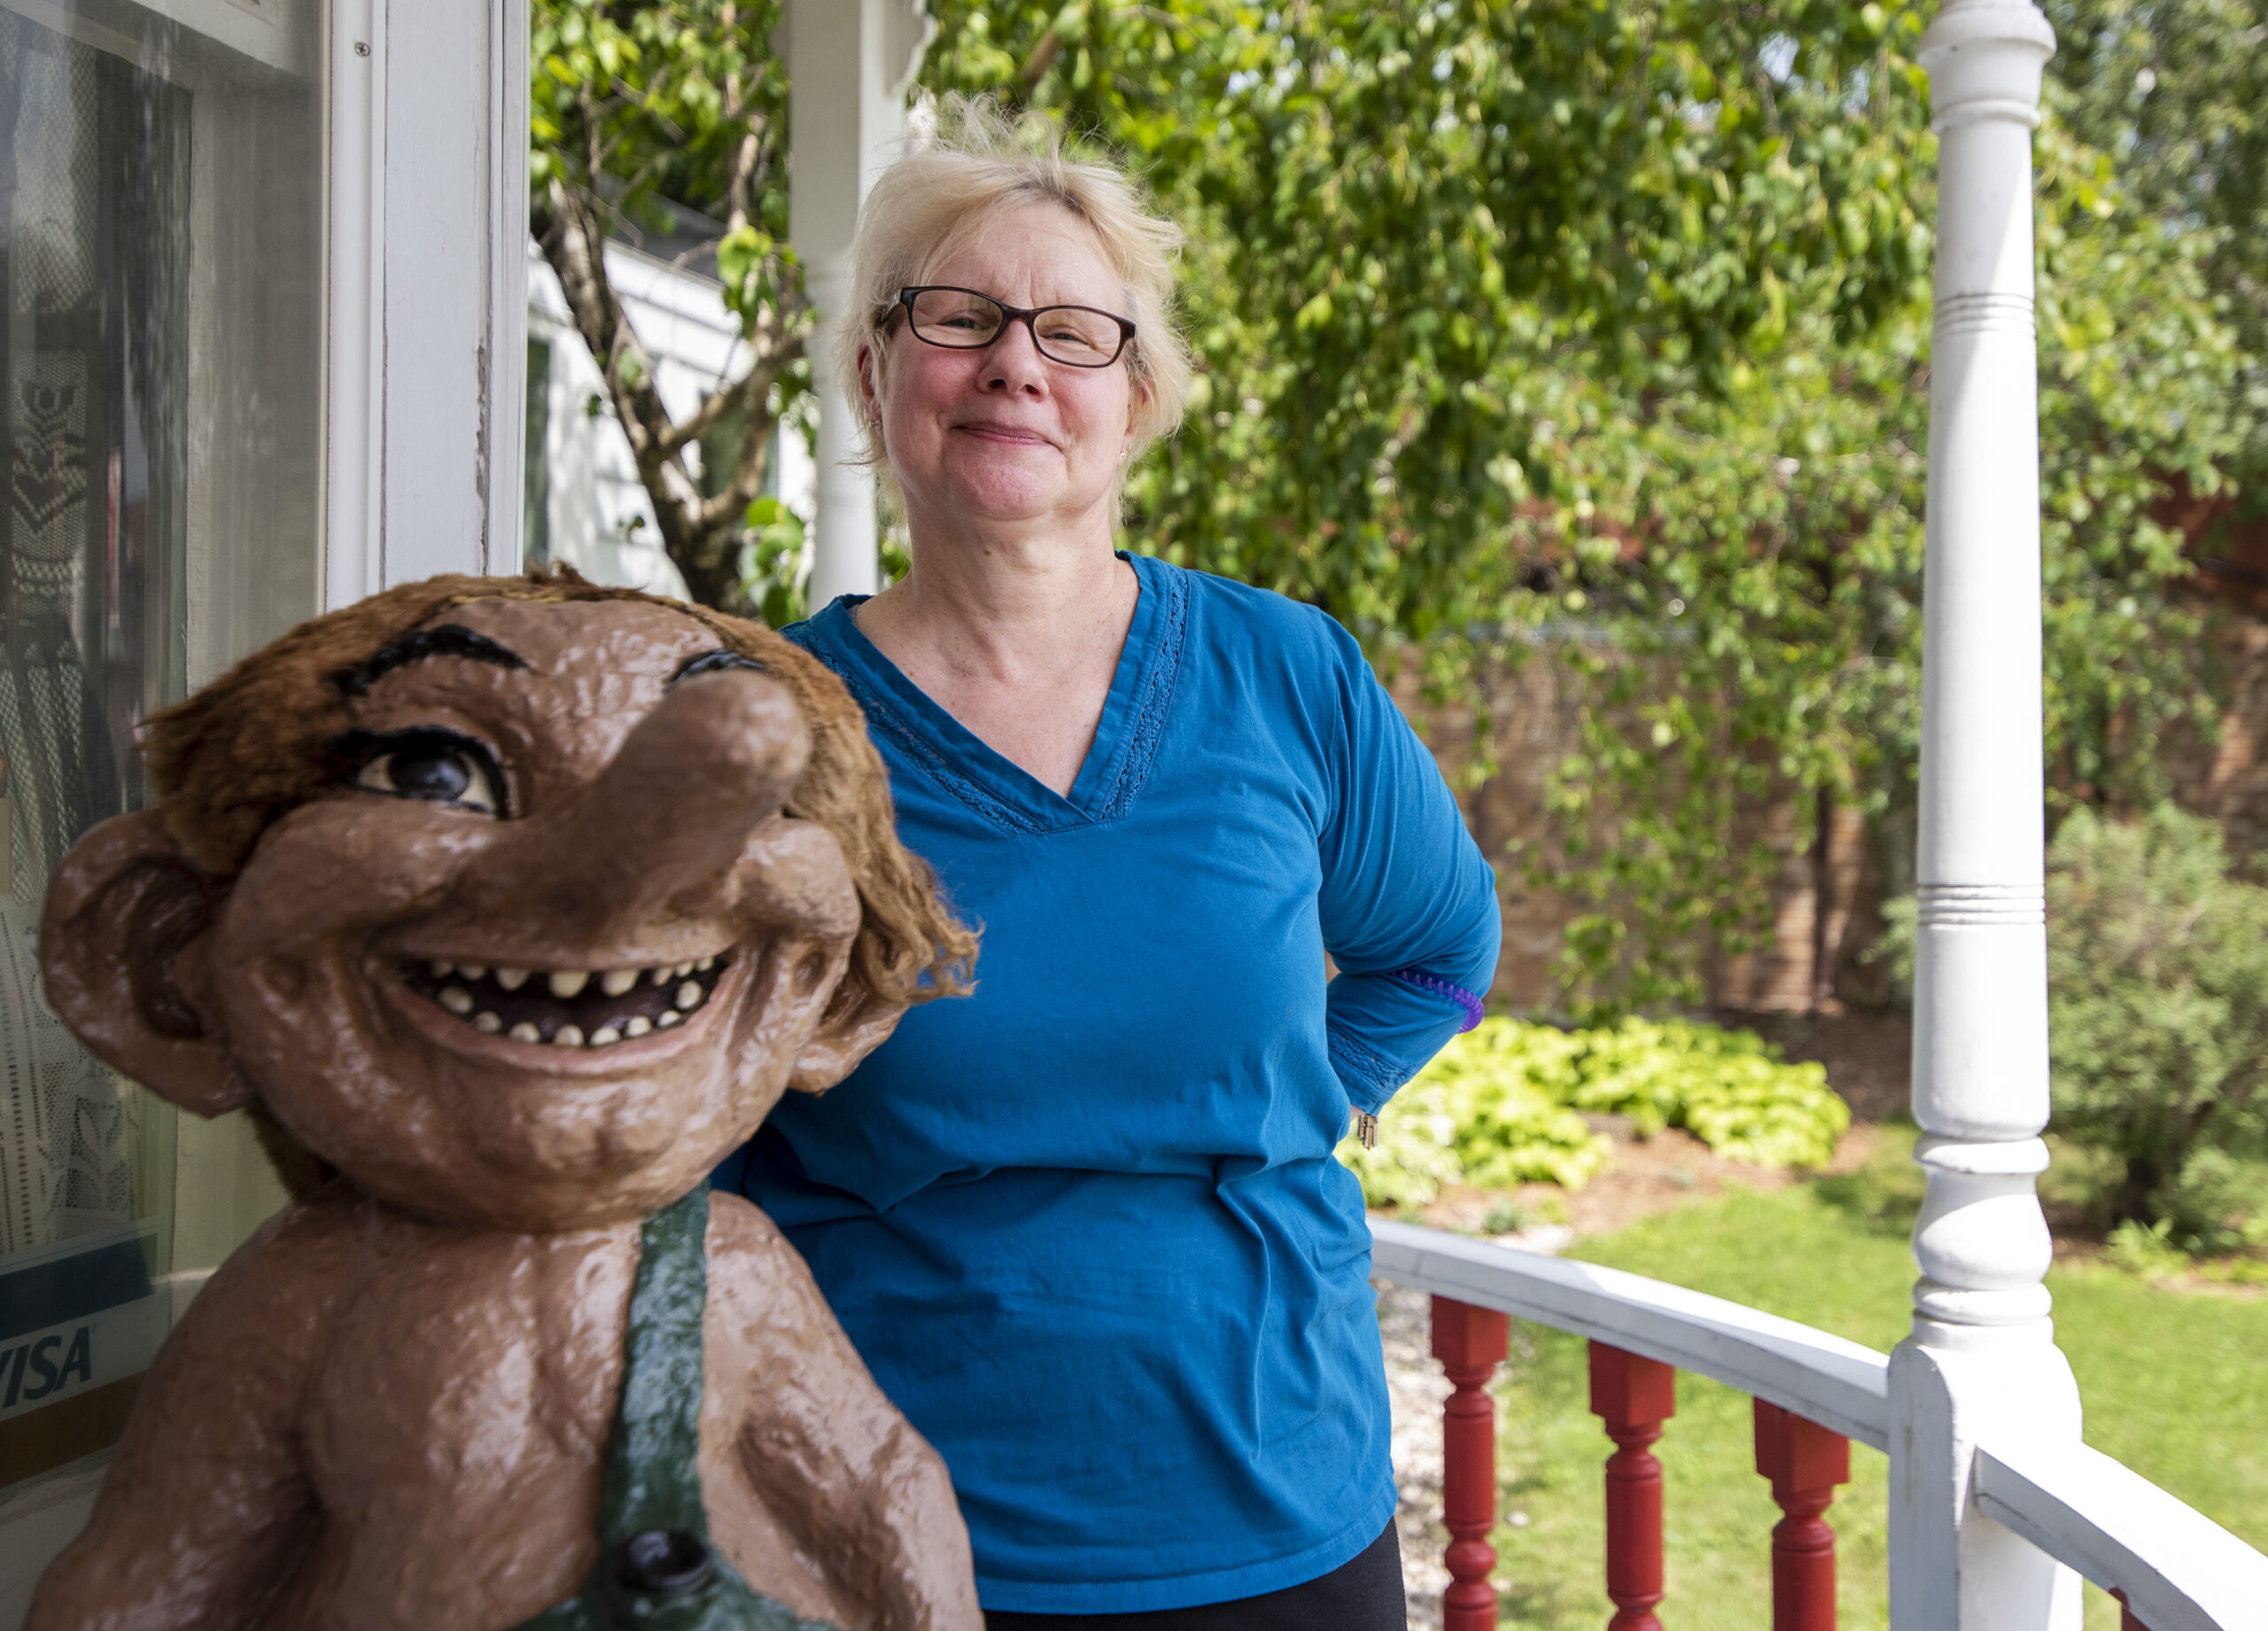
[
  {"x": 1632, "y": 1396},
  {"x": 1470, "y": 1343},
  {"x": 1806, "y": 1462},
  {"x": 2127, "y": 1621}
]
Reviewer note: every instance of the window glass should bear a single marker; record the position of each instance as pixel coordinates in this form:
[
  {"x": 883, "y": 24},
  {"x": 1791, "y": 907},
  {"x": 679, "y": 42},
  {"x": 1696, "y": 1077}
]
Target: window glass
[
  {"x": 159, "y": 351},
  {"x": 535, "y": 468}
]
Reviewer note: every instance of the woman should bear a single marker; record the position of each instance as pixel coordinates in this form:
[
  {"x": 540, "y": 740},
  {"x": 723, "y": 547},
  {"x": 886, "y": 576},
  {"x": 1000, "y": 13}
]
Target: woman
[{"x": 1085, "y": 1225}]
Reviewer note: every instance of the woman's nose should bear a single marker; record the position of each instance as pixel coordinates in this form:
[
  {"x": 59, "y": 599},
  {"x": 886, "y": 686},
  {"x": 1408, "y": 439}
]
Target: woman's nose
[{"x": 1013, "y": 361}]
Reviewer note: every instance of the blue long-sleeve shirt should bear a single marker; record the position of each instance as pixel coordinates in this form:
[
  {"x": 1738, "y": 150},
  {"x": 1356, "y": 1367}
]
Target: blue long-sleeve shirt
[{"x": 1085, "y": 1226}]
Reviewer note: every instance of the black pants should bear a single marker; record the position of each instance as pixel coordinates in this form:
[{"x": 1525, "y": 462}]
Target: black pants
[{"x": 1365, "y": 1595}]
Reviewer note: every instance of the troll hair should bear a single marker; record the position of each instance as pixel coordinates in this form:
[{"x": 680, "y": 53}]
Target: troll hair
[{"x": 253, "y": 745}]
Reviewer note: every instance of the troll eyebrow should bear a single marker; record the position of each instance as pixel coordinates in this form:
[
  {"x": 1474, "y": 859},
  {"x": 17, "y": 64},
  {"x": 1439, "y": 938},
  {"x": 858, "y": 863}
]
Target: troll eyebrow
[
  {"x": 714, "y": 662},
  {"x": 449, "y": 640}
]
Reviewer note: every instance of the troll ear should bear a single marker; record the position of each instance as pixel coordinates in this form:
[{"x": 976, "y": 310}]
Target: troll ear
[
  {"x": 843, "y": 1038},
  {"x": 123, "y": 906}
]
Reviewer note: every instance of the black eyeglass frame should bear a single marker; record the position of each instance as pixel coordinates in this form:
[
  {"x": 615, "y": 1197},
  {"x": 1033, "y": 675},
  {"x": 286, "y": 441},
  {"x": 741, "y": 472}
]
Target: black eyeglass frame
[{"x": 1028, "y": 316}]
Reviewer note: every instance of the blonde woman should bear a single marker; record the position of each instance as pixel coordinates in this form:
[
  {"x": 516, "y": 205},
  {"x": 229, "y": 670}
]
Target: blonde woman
[{"x": 1084, "y": 1226}]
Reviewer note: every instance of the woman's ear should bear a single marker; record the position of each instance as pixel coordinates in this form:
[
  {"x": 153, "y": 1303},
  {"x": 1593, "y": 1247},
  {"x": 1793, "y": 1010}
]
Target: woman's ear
[
  {"x": 123, "y": 907},
  {"x": 870, "y": 393},
  {"x": 841, "y": 1040}
]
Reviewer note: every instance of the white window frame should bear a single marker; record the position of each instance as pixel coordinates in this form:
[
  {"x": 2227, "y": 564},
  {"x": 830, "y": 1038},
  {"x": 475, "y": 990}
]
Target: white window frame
[{"x": 427, "y": 327}]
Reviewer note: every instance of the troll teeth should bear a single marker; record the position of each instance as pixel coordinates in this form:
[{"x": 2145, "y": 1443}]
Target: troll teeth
[
  {"x": 568, "y": 981},
  {"x": 616, "y": 982}
]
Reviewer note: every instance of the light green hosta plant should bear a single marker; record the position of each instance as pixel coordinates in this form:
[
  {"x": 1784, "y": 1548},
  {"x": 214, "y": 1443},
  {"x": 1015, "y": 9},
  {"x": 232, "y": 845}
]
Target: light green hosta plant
[
  {"x": 1769, "y": 1114},
  {"x": 1490, "y": 1110},
  {"x": 1502, "y": 1106},
  {"x": 1417, "y": 1149},
  {"x": 1730, "y": 1089}
]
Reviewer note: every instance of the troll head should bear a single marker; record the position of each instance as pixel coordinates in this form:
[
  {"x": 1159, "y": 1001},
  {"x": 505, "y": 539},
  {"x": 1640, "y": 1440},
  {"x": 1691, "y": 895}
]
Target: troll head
[{"x": 517, "y": 901}]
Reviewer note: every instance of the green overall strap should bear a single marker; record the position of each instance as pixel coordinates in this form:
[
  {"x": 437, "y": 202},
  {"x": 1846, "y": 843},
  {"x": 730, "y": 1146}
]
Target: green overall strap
[{"x": 657, "y": 1568}]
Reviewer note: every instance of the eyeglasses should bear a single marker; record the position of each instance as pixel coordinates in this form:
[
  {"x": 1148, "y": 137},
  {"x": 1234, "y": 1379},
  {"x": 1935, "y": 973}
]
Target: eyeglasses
[{"x": 963, "y": 320}]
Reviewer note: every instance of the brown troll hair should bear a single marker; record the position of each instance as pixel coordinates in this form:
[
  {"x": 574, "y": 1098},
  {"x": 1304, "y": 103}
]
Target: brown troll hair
[{"x": 253, "y": 745}]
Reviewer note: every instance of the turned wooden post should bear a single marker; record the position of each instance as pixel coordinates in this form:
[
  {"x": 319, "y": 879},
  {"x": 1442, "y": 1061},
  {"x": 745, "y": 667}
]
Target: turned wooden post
[
  {"x": 1632, "y": 1396},
  {"x": 1806, "y": 1462},
  {"x": 1982, "y": 1357},
  {"x": 1470, "y": 1343}
]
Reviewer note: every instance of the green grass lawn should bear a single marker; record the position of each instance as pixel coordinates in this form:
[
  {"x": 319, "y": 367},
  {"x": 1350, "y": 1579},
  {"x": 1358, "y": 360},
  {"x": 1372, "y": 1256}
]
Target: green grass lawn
[{"x": 2175, "y": 1383}]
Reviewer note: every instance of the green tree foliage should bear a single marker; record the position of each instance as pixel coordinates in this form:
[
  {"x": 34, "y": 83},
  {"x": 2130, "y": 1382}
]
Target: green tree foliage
[
  {"x": 2158, "y": 1013},
  {"x": 1603, "y": 332},
  {"x": 640, "y": 105},
  {"x": 2177, "y": 90}
]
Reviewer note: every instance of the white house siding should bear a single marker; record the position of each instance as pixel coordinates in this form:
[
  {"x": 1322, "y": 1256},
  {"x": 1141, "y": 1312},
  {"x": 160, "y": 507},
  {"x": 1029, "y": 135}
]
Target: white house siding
[{"x": 595, "y": 513}]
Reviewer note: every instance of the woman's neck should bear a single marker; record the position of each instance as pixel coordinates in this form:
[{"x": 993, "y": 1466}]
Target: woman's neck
[
  {"x": 1015, "y": 606},
  {"x": 1017, "y": 638}
]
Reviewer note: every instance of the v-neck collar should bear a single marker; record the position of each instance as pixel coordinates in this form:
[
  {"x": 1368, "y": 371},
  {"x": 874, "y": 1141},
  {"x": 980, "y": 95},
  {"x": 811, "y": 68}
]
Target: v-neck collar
[{"x": 997, "y": 788}]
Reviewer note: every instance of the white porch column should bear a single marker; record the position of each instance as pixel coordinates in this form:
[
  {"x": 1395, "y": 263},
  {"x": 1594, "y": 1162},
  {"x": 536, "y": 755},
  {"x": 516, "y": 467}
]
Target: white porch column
[
  {"x": 850, "y": 62},
  {"x": 1982, "y": 1359}
]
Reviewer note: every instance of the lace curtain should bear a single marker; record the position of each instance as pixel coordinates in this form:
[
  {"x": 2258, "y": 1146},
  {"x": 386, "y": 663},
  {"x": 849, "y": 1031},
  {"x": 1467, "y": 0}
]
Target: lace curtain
[{"x": 93, "y": 227}]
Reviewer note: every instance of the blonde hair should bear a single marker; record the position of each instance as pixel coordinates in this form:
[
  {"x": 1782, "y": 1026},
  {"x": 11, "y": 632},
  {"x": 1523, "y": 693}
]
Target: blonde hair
[{"x": 953, "y": 181}]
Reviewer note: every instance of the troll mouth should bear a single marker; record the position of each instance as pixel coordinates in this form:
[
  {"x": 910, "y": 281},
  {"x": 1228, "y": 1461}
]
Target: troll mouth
[{"x": 567, "y": 1007}]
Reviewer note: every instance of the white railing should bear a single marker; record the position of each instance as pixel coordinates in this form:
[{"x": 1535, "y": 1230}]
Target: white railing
[
  {"x": 1824, "y": 1378},
  {"x": 2175, "y": 1569}
]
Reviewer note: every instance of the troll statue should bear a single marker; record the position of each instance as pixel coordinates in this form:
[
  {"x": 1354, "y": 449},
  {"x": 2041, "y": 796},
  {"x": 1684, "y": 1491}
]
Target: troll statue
[{"x": 509, "y": 906}]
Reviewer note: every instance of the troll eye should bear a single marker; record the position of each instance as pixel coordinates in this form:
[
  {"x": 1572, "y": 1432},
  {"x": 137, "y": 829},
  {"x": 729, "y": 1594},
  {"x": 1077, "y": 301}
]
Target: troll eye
[{"x": 440, "y": 767}]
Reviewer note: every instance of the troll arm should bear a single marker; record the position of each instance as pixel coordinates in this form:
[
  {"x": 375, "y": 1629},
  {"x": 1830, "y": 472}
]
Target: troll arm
[
  {"x": 205, "y": 1504},
  {"x": 868, "y": 1500}
]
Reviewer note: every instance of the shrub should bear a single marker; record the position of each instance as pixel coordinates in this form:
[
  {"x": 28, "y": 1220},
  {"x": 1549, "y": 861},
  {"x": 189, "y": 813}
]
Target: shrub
[
  {"x": 1730, "y": 1089},
  {"x": 1475, "y": 1115},
  {"x": 2157, "y": 962},
  {"x": 1501, "y": 1105}
]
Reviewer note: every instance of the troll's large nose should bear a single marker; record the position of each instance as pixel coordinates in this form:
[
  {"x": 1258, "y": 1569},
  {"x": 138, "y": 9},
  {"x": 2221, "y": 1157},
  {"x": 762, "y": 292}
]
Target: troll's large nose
[{"x": 656, "y": 835}]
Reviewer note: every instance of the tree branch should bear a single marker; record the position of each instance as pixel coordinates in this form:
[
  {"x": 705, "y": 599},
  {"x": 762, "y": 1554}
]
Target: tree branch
[
  {"x": 773, "y": 359},
  {"x": 743, "y": 168},
  {"x": 742, "y": 175},
  {"x": 625, "y": 138},
  {"x": 1042, "y": 58},
  {"x": 575, "y": 246},
  {"x": 715, "y": 408}
]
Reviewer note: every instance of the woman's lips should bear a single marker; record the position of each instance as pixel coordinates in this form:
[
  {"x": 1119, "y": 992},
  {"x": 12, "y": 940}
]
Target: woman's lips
[{"x": 1009, "y": 434}]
